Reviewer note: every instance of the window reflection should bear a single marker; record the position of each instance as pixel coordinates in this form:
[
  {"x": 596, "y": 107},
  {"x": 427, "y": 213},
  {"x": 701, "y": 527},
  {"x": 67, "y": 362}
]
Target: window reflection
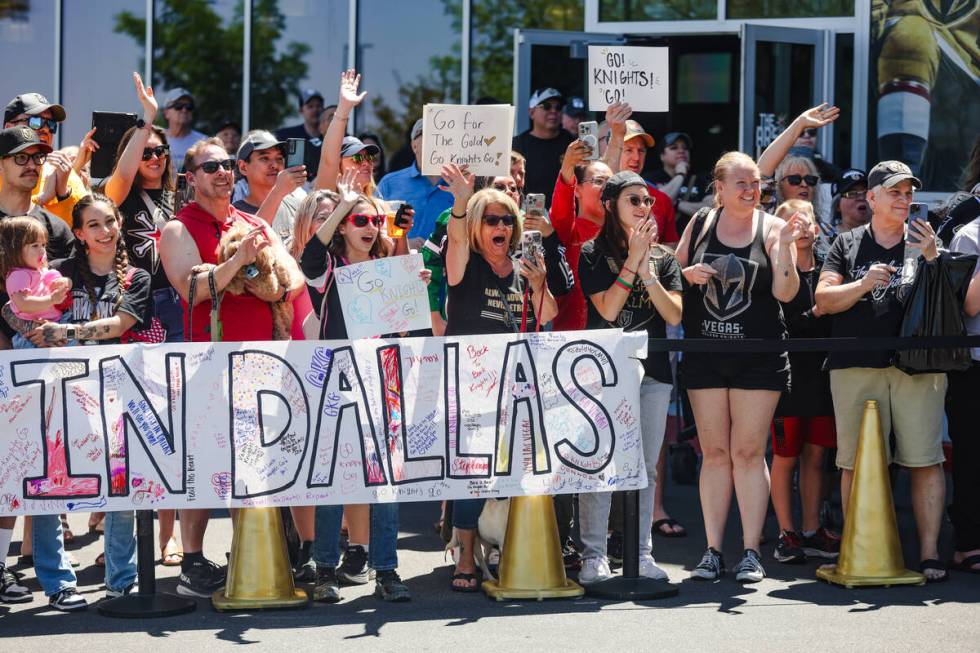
[
  {"x": 27, "y": 33},
  {"x": 788, "y": 8},
  {"x": 636, "y": 10}
]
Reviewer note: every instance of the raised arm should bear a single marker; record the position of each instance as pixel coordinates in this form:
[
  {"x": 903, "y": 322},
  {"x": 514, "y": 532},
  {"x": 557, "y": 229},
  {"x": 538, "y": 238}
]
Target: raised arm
[
  {"x": 120, "y": 182},
  {"x": 460, "y": 184},
  {"x": 779, "y": 148},
  {"x": 349, "y": 98},
  {"x": 616, "y": 116},
  {"x": 782, "y": 251}
]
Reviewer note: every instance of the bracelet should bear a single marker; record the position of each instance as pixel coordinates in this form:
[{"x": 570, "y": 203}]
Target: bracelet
[
  {"x": 335, "y": 117},
  {"x": 62, "y": 198},
  {"x": 623, "y": 283},
  {"x": 626, "y": 269},
  {"x": 458, "y": 217},
  {"x": 649, "y": 282}
]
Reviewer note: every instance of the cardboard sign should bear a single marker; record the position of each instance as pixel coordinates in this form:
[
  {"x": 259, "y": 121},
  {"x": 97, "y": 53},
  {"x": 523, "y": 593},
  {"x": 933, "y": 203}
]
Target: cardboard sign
[
  {"x": 636, "y": 75},
  {"x": 383, "y": 296},
  {"x": 477, "y": 136},
  {"x": 208, "y": 425}
]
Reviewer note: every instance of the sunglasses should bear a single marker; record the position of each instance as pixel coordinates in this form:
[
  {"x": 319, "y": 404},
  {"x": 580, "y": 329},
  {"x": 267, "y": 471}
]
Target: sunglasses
[
  {"x": 810, "y": 132},
  {"x": 37, "y": 122},
  {"x": 358, "y": 159},
  {"x": 22, "y": 158},
  {"x": 636, "y": 200},
  {"x": 211, "y": 167},
  {"x": 494, "y": 220},
  {"x": 550, "y": 106},
  {"x": 362, "y": 219},
  {"x": 854, "y": 195},
  {"x": 796, "y": 180},
  {"x": 159, "y": 152},
  {"x": 182, "y": 106},
  {"x": 596, "y": 181},
  {"x": 506, "y": 188}
]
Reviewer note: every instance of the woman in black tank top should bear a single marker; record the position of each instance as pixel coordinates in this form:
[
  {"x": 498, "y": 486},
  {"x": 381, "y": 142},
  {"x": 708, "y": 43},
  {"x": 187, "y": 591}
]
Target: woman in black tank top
[{"x": 739, "y": 263}]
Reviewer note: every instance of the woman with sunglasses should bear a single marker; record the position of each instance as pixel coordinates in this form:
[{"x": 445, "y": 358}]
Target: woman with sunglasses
[
  {"x": 380, "y": 162},
  {"x": 341, "y": 153},
  {"x": 632, "y": 283},
  {"x": 488, "y": 293}
]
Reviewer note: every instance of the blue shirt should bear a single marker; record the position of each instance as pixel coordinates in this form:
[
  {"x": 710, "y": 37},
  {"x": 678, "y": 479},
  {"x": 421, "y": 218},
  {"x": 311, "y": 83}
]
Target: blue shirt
[{"x": 409, "y": 185}]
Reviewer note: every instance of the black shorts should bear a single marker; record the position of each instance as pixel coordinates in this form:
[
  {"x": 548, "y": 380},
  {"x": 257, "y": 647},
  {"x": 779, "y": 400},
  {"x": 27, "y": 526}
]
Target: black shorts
[{"x": 703, "y": 370}]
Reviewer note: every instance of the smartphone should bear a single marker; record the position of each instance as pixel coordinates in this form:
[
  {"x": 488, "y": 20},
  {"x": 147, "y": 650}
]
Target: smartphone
[
  {"x": 295, "y": 152},
  {"x": 531, "y": 244},
  {"x": 588, "y": 133},
  {"x": 534, "y": 203},
  {"x": 917, "y": 211},
  {"x": 110, "y": 127}
]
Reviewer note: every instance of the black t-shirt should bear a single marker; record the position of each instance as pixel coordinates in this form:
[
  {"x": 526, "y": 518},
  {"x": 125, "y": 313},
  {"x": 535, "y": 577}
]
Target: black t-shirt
[
  {"x": 477, "y": 303},
  {"x": 810, "y": 394},
  {"x": 878, "y": 313},
  {"x": 142, "y": 224},
  {"x": 543, "y": 160},
  {"x": 597, "y": 271},
  {"x": 694, "y": 183},
  {"x": 963, "y": 213},
  {"x": 136, "y": 299},
  {"x": 318, "y": 264},
  {"x": 311, "y": 155}
]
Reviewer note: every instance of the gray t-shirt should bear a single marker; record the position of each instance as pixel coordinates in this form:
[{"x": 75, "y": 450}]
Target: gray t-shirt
[
  {"x": 179, "y": 146},
  {"x": 285, "y": 218},
  {"x": 967, "y": 241}
]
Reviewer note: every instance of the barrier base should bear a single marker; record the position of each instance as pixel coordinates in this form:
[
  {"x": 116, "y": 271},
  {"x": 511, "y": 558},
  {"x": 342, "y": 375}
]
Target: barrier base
[
  {"x": 620, "y": 588},
  {"x": 145, "y": 606},
  {"x": 570, "y": 590},
  {"x": 829, "y": 573}
]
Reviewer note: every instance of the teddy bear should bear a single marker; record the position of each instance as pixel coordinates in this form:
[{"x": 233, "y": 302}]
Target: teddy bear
[{"x": 263, "y": 273}]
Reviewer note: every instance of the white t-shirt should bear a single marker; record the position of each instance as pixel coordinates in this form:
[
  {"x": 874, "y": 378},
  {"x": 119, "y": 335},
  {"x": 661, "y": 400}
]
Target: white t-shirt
[{"x": 179, "y": 146}]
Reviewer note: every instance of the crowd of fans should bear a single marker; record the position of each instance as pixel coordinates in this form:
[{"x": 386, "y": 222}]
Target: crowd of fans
[{"x": 787, "y": 246}]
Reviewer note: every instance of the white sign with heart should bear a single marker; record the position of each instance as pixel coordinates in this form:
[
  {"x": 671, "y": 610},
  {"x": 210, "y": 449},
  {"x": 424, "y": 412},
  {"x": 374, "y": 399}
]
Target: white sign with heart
[{"x": 477, "y": 136}]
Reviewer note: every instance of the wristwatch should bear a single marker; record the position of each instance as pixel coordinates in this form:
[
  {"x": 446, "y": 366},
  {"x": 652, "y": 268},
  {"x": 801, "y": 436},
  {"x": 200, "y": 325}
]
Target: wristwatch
[
  {"x": 141, "y": 124},
  {"x": 71, "y": 333}
]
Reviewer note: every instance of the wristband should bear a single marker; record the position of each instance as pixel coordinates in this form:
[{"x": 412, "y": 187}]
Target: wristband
[
  {"x": 458, "y": 217},
  {"x": 62, "y": 198},
  {"x": 623, "y": 283},
  {"x": 626, "y": 269}
]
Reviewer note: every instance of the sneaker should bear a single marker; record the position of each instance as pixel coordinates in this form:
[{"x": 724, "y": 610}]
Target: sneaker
[
  {"x": 749, "y": 569},
  {"x": 594, "y": 570},
  {"x": 11, "y": 591},
  {"x": 201, "y": 578},
  {"x": 614, "y": 549},
  {"x": 789, "y": 548},
  {"x": 305, "y": 570},
  {"x": 571, "y": 557},
  {"x": 711, "y": 567},
  {"x": 389, "y": 586},
  {"x": 68, "y": 600},
  {"x": 822, "y": 544},
  {"x": 354, "y": 567},
  {"x": 649, "y": 569},
  {"x": 115, "y": 594},
  {"x": 327, "y": 587}
]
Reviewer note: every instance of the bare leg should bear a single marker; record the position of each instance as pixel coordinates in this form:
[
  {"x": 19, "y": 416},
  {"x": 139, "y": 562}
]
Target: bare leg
[
  {"x": 26, "y": 542},
  {"x": 659, "y": 511},
  {"x": 811, "y": 484},
  {"x": 165, "y": 521},
  {"x": 928, "y": 496},
  {"x": 193, "y": 523},
  {"x": 782, "y": 490},
  {"x": 465, "y": 563},
  {"x": 358, "y": 523},
  {"x": 752, "y": 412},
  {"x": 303, "y": 519},
  {"x": 714, "y": 423}
]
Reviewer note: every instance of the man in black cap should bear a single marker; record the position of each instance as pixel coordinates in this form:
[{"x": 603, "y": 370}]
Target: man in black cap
[
  {"x": 574, "y": 112},
  {"x": 850, "y": 209},
  {"x": 544, "y": 144},
  {"x": 274, "y": 192},
  {"x": 33, "y": 110},
  {"x": 310, "y": 109}
]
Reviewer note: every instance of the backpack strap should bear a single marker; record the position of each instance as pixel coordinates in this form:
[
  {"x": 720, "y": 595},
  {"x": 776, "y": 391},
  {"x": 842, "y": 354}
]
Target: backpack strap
[{"x": 699, "y": 228}]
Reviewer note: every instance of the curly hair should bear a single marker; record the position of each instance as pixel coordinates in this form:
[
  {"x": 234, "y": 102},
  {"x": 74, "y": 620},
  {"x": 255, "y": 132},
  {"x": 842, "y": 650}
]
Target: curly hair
[
  {"x": 81, "y": 252},
  {"x": 15, "y": 234}
]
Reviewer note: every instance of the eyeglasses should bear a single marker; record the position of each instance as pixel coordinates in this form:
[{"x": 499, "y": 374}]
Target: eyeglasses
[
  {"x": 37, "y": 122},
  {"x": 22, "y": 158},
  {"x": 494, "y": 220},
  {"x": 810, "y": 132},
  {"x": 159, "y": 152},
  {"x": 854, "y": 195},
  {"x": 182, "y": 106},
  {"x": 362, "y": 219},
  {"x": 358, "y": 159},
  {"x": 506, "y": 188},
  {"x": 596, "y": 181},
  {"x": 550, "y": 106},
  {"x": 211, "y": 167},
  {"x": 795, "y": 180},
  {"x": 636, "y": 200}
]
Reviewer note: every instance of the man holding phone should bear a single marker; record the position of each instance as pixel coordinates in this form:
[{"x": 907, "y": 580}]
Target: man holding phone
[
  {"x": 274, "y": 191},
  {"x": 310, "y": 109},
  {"x": 858, "y": 286}
]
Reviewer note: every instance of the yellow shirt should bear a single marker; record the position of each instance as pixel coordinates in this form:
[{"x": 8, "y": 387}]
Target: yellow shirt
[{"x": 62, "y": 209}]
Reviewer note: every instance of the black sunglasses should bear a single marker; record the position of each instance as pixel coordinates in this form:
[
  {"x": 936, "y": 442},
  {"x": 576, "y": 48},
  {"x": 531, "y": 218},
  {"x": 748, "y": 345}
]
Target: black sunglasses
[
  {"x": 636, "y": 200},
  {"x": 550, "y": 106},
  {"x": 362, "y": 219},
  {"x": 180, "y": 106},
  {"x": 211, "y": 167},
  {"x": 159, "y": 152},
  {"x": 810, "y": 132},
  {"x": 494, "y": 220},
  {"x": 795, "y": 180},
  {"x": 506, "y": 187},
  {"x": 37, "y": 122}
]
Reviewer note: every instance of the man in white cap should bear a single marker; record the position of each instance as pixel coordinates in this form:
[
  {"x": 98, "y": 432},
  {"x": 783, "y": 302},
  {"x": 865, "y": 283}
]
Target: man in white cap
[
  {"x": 178, "y": 111},
  {"x": 544, "y": 144}
]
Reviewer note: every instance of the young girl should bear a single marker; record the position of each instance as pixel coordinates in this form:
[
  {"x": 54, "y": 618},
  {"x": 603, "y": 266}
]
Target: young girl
[
  {"x": 805, "y": 415},
  {"x": 36, "y": 291}
]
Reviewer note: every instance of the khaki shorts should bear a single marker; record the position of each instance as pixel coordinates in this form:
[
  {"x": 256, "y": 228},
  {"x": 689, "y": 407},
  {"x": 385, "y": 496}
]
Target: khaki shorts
[{"x": 911, "y": 405}]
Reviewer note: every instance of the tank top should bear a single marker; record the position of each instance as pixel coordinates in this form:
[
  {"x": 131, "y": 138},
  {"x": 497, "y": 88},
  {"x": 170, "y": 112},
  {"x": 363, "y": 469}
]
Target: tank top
[{"x": 737, "y": 302}]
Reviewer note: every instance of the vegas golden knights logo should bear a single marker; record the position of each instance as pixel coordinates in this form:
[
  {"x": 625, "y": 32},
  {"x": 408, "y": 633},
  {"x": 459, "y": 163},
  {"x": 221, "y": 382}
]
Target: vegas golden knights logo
[
  {"x": 949, "y": 12},
  {"x": 729, "y": 291}
]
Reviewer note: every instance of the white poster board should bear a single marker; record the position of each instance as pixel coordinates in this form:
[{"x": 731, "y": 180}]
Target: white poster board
[
  {"x": 385, "y": 295},
  {"x": 633, "y": 74},
  {"x": 477, "y": 136}
]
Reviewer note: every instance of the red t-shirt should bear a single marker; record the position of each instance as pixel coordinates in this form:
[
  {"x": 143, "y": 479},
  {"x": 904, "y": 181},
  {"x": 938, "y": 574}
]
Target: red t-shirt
[
  {"x": 663, "y": 212},
  {"x": 573, "y": 232},
  {"x": 243, "y": 317}
]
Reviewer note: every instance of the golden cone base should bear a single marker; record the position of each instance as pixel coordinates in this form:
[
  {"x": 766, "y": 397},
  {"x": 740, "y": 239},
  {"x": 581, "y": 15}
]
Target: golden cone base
[
  {"x": 830, "y": 574},
  {"x": 570, "y": 590}
]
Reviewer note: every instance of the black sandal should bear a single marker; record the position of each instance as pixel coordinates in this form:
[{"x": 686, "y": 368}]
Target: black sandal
[
  {"x": 469, "y": 589},
  {"x": 937, "y": 565},
  {"x": 673, "y": 523},
  {"x": 967, "y": 564}
]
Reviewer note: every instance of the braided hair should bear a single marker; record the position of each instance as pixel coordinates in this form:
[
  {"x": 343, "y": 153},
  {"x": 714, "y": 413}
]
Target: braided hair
[{"x": 121, "y": 262}]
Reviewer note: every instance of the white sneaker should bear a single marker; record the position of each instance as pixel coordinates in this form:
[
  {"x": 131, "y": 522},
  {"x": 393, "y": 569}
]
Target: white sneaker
[
  {"x": 649, "y": 569},
  {"x": 593, "y": 571}
]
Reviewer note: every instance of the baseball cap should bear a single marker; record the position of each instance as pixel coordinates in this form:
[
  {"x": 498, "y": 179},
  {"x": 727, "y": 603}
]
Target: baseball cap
[
  {"x": 417, "y": 129},
  {"x": 352, "y": 146},
  {"x": 257, "y": 140},
  {"x": 848, "y": 180},
  {"x": 889, "y": 173},
  {"x": 543, "y": 95},
  {"x": 575, "y": 107},
  {"x": 32, "y": 104},
  {"x": 673, "y": 137},
  {"x": 19, "y": 138},
  {"x": 175, "y": 94},
  {"x": 228, "y": 122},
  {"x": 634, "y": 129},
  {"x": 308, "y": 94},
  {"x": 620, "y": 181}
]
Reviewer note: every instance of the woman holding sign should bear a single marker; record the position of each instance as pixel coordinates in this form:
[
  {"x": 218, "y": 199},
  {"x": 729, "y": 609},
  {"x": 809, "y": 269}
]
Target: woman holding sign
[
  {"x": 632, "y": 283},
  {"x": 488, "y": 293}
]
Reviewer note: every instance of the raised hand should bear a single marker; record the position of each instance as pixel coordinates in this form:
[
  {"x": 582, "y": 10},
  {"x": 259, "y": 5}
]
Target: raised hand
[
  {"x": 346, "y": 186},
  {"x": 641, "y": 237},
  {"x": 794, "y": 229},
  {"x": 146, "y": 98},
  {"x": 349, "y": 97},
  {"x": 575, "y": 153},
  {"x": 459, "y": 182},
  {"x": 818, "y": 116},
  {"x": 616, "y": 116},
  {"x": 924, "y": 233}
]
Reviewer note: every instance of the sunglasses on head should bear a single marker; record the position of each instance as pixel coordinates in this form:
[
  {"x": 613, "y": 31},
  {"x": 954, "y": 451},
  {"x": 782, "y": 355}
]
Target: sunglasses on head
[
  {"x": 810, "y": 132},
  {"x": 795, "y": 180},
  {"x": 182, "y": 106},
  {"x": 211, "y": 167},
  {"x": 636, "y": 200},
  {"x": 494, "y": 220},
  {"x": 550, "y": 106},
  {"x": 37, "y": 122},
  {"x": 362, "y": 219},
  {"x": 854, "y": 195},
  {"x": 159, "y": 152},
  {"x": 21, "y": 158},
  {"x": 358, "y": 159}
]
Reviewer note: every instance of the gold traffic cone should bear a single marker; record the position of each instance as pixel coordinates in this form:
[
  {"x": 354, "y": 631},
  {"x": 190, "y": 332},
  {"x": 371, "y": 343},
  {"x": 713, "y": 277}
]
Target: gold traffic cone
[
  {"x": 259, "y": 575},
  {"x": 870, "y": 552},
  {"x": 531, "y": 564}
]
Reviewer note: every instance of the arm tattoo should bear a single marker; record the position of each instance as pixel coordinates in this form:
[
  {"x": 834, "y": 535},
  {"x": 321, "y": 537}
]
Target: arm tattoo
[
  {"x": 19, "y": 324},
  {"x": 89, "y": 331}
]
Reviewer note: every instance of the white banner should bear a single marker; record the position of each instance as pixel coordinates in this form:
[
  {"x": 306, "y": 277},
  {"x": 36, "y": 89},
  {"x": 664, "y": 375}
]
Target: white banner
[
  {"x": 321, "y": 422},
  {"x": 634, "y": 74},
  {"x": 475, "y": 135},
  {"x": 384, "y": 295}
]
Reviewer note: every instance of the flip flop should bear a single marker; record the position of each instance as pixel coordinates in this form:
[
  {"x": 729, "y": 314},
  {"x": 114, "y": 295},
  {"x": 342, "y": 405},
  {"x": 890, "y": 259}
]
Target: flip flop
[
  {"x": 967, "y": 564},
  {"x": 933, "y": 564},
  {"x": 100, "y": 560},
  {"x": 66, "y": 534},
  {"x": 469, "y": 589},
  {"x": 171, "y": 556},
  {"x": 673, "y": 523}
]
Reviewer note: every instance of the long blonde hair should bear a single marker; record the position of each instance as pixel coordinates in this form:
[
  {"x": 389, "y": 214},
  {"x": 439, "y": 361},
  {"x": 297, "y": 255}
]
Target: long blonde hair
[
  {"x": 302, "y": 228},
  {"x": 474, "y": 216}
]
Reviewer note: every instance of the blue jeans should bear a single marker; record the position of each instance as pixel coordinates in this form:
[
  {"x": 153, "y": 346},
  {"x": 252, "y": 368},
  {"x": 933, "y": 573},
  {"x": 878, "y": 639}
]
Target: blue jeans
[
  {"x": 382, "y": 549},
  {"x": 120, "y": 549},
  {"x": 466, "y": 512},
  {"x": 20, "y": 342},
  {"x": 167, "y": 308},
  {"x": 51, "y": 564}
]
